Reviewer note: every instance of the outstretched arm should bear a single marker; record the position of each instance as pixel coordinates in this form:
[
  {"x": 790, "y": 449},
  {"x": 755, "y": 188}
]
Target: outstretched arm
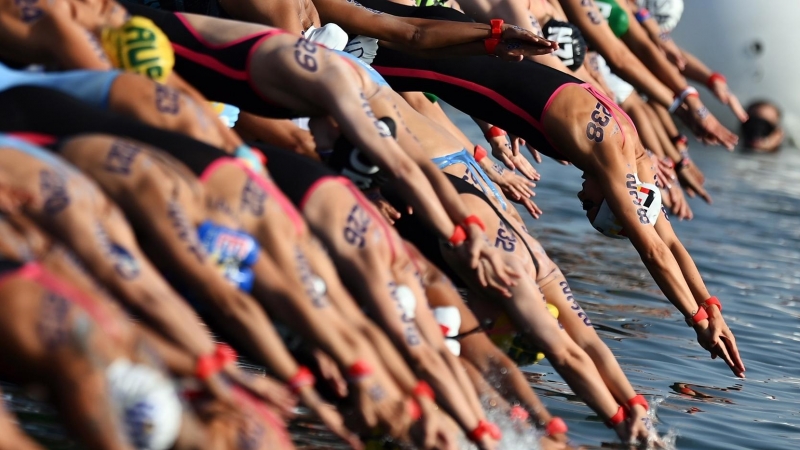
[{"x": 416, "y": 34}]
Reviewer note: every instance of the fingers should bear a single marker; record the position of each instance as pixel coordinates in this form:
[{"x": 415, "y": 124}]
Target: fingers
[
  {"x": 733, "y": 351},
  {"x": 535, "y": 154},
  {"x": 736, "y": 107},
  {"x": 532, "y": 208},
  {"x": 482, "y": 278},
  {"x": 514, "y": 145}
]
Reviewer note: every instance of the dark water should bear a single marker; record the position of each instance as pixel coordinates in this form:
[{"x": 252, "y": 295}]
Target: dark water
[{"x": 746, "y": 247}]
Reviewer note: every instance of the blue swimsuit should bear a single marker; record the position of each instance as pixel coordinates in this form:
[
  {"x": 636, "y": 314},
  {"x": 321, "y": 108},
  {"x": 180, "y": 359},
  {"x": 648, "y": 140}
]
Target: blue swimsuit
[
  {"x": 90, "y": 86},
  {"x": 475, "y": 171}
]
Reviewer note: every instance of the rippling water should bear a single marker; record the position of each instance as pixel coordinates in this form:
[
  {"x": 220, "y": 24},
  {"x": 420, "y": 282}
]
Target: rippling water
[{"x": 746, "y": 247}]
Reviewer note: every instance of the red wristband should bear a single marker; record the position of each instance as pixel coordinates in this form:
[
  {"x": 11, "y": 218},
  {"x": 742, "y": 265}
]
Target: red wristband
[
  {"x": 414, "y": 410},
  {"x": 680, "y": 139},
  {"x": 207, "y": 366},
  {"x": 358, "y": 371},
  {"x": 485, "y": 427},
  {"x": 423, "y": 389},
  {"x": 459, "y": 236},
  {"x": 716, "y": 76},
  {"x": 480, "y": 153},
  {"x": 617, "y": 418},
  {"x": 301, "y": 379},
  {"x": 713, "y": 301},
  {"x": 637, "y": 399},
  {"x": 474, "y": 220},
  {"x": 491, "y": 43},
  {"x": 698, "y": 317},
  {"x": 210, "y": 364},
  {"x": 496, "y": 132},
  {"x": 556, "y": 426},
  {"x": 225, "y": 354},
  {"x": 518, "y": 414}
]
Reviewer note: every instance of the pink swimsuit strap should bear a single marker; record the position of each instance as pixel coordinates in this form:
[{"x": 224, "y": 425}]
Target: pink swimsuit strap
[
  {"x": 35, "y": 272},
  {"x": 263, "y": 182}
]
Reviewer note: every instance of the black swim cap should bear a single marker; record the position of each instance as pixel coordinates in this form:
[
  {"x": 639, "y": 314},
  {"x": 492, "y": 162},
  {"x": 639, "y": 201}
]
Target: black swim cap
[
  {"x": 756, "y": 128},
  {"x": 572, "y": 46},
  {"x": 350, "y": 162}
]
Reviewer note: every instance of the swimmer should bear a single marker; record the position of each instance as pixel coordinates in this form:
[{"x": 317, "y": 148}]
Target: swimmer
[
  {"x": 279, "y": 278},
  {"x": 762, "y": 132},
  {"x": 83, "y": 119},
  {"x": 33, "y": 34},
  {"x": 579, "y": 355},
  {"x": 103, "y": 369},
  {"x": 405, "y": 72},
  {"x": 75, "y": 211},
  {"x": 659, "y": 18},
  {"x": 373, "y": 263},
  {"x": 305, "y": 79}
]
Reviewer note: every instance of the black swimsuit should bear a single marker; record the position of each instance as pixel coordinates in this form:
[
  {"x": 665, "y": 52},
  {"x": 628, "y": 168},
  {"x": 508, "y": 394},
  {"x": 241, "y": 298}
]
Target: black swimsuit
[
  {"x": 219, "y": 71},
  {"x": 54, "y": 115},
  {"x": 514, "y": 96}
]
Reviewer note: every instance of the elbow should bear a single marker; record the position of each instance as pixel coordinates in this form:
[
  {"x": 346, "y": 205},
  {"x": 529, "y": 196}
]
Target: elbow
[
  {"x": 232, "y": 306},
  {"x": 402, "y": 170},
  {"x": 427, "y": 362},
  {"x": 654, "y": 254},
  {"x": 620, "y": 58},
  {"x": 416, "y": 38}
]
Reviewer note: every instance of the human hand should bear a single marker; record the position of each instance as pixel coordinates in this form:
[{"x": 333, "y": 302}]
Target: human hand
[
  {"x": 715, "y": 336},
  {"x": 272, "y": 392},
  {"x": 487, "y": 261},
  {"x": 704, "y": 125},
  {"x": 514, "y": 33},
  {"x": 432, "y": 430},
  {"x": 688, "y": 179},
  {"x": 516, "y": 188},
  {"x": 719, "y": 86},
  {"x": 638, "y": 424},
  {"x": 383, "y": 206}
]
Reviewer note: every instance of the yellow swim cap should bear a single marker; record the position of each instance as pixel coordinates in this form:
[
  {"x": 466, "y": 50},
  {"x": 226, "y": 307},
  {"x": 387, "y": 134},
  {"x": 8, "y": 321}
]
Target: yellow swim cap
[
  {"x": 514, "y": 344},
  {"x": 141, "y": 47}
]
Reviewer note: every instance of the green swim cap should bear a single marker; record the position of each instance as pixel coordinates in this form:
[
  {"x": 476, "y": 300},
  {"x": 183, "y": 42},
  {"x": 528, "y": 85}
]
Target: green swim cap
[
  {"x": 617, "y": 17},
  {"x": 432, "y": 97},
  {"x": 431, "y": 2}
]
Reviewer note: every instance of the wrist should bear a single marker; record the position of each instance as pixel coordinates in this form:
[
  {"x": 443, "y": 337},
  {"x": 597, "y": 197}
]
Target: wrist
[
  {"x": 210, "y": 364},
  {"x": 556, "y": 425},
  {"x": 301, "y": 379},
  {"x": 710, "y": 302},
  {"x": 617, "y": 418},
  {"x": 473, "y": 220},
  {"x": 458, "y": 236},
  {"x": 714, "y": 78},
  {"x": 637, "y": 400},
  {"x": 359, "y": 371},
  {"x": 485, "y": 428},
  {"x": 423, "y": 390},
  {"x": 494, "y": 132},
  {"x": 495, "y": 36},
  {"x": 480, "y": 153},
  {"x": 684, "y": 96},
  {"x": 698, "y": 317}
]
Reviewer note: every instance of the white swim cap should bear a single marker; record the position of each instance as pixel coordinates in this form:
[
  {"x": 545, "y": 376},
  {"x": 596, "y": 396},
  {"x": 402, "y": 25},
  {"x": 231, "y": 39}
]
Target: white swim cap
[
  {"x": 649, "y": 198},
  {"x": 330, "y": 35},
  {"x": 147, "y": 404},
  {"x": 449, "y": 320},
  {"x": 666, "y": 12}
]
